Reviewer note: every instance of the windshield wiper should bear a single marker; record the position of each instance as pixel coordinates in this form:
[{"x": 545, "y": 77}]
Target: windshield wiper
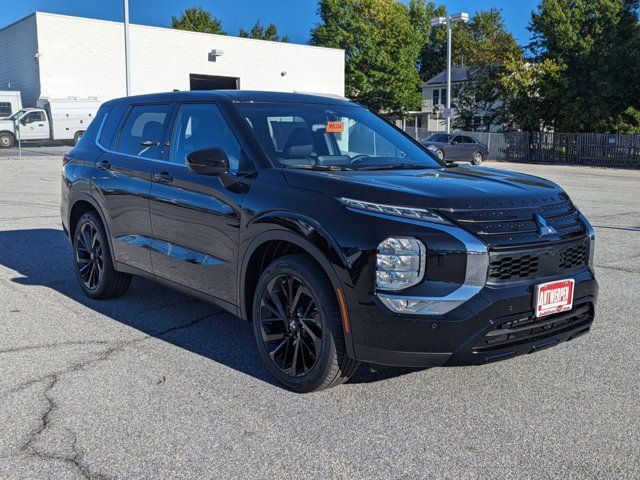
[
  {"x": 324, "y": 168},
  {"x": 396, "y": 166}
]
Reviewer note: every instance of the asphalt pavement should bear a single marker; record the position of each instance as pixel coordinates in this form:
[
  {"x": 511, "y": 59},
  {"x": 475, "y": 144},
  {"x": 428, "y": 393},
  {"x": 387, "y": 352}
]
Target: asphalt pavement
[{"x": 159, "y": 385}]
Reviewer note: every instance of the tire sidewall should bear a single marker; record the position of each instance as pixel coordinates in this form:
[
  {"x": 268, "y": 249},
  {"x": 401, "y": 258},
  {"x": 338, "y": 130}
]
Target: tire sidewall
[
  {"x": 323, "y": 302},
  {"x": 479, "y": 161},
  {"x": 440, "y": 154}
]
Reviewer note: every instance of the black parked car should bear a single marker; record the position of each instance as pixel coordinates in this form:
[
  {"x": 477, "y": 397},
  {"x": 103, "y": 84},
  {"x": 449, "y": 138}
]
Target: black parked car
[
  {"x": 457, "y": 147},
  {"x": 337, "y": 235}
]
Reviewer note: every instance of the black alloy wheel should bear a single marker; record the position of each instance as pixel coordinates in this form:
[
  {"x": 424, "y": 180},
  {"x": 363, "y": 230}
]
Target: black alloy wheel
[
  {"x": 290, "y": 326},
  {"x": 89, "y": 256},
  {"x": 298, "y": 327},
  {"x": 93, "y": 262}
]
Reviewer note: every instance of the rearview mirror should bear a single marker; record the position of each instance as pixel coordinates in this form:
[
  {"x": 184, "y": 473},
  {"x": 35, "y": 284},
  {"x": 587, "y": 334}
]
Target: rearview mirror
[{"x": 208, "y": 161}]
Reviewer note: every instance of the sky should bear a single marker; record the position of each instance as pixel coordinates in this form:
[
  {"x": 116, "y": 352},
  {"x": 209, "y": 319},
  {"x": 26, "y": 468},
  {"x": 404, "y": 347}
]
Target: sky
[{"x": 293, "y": 17}]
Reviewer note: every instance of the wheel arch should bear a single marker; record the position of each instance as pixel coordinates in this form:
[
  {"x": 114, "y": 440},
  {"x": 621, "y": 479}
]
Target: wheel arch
[
  {"x": 280, "y": 240},
  {"x": 81, "y": 204}
]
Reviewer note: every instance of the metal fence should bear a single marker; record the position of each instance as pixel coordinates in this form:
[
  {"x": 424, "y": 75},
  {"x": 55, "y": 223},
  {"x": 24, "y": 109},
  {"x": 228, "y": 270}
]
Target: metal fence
[{"x": 594, "y": 149}]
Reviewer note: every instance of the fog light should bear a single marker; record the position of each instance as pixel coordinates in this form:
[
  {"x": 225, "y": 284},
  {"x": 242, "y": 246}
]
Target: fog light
[{"x": 400, "y": 263}]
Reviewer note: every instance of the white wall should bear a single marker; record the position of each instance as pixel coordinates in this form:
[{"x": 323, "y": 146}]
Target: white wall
[
  {"x": 85, "y": 57},
  {"x": 18, "y": 69}
]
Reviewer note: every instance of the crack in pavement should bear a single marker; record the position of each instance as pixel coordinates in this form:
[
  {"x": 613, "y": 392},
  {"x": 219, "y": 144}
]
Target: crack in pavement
[
  {"x": 54, "y": 345},
  {"x": 52, "y": 380}
]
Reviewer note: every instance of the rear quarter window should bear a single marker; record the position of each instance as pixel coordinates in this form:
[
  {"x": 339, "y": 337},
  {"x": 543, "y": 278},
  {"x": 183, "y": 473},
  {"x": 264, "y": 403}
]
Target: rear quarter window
[{"x": 89, "y": 136}]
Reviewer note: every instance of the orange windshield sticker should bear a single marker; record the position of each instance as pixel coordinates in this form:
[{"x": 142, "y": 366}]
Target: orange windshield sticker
[{"x": 335, "y": 127}]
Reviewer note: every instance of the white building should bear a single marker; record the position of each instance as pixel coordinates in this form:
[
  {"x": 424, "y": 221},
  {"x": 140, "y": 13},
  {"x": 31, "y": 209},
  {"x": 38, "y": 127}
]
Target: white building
[
  {"x": 58, "y": 56},
  {"x": 434, "y": 95}
]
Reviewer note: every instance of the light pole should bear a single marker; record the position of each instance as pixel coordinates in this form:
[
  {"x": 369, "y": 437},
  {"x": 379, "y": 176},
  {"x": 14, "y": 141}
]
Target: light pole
[
  {"x": 127, "y": 60},
  {"x": 461, "y": 17}
]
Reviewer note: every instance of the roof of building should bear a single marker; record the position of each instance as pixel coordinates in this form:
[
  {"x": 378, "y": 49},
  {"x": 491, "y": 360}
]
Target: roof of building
[
  {"x": 240, "y": 96},
  {"x": 458, "y": 74}
]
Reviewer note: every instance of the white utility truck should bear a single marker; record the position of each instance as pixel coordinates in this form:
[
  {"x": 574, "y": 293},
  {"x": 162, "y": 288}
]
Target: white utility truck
[
  {"x": 10, "y": 102},
  {"x": 55, "y": 119}
]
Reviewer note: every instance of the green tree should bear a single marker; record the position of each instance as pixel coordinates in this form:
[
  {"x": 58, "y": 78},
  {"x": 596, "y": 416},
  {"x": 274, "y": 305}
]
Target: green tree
[
  {"x": 597, "y": 45},
  {"x": 381, "y": 49},
  {"x": 197, "y": 19},
  {"x": 432, "y": 58},
  {"x": 263, "y": 33},
  {"x": 528, "y": 92}
]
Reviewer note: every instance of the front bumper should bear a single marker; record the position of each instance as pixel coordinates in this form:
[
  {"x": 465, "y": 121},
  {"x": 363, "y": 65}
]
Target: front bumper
[{"x": 496, "y": 324}]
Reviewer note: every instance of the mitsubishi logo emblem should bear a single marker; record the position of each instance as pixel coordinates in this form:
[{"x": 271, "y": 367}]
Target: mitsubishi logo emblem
[{"x": 543, "y": 228}]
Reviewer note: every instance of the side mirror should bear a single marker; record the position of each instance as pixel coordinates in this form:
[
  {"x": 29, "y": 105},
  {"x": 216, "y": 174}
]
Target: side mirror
[
  {"x": 454, "y": 142},
  {"x": 23, "y": 120},
  {"x": 208, "y": 161}
]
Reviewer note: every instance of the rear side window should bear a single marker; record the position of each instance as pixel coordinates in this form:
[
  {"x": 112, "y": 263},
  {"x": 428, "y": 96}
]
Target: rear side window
[
  {"x": 89, "y": 135},
  {"x": 114, "y": 118},
  {"x": 5, "y": 109},
  {"x": 143, "y": 131}
]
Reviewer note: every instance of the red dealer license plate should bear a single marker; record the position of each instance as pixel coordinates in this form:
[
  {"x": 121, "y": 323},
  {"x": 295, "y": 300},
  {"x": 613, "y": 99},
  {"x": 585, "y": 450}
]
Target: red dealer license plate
[{"x": 554, "y": 297}]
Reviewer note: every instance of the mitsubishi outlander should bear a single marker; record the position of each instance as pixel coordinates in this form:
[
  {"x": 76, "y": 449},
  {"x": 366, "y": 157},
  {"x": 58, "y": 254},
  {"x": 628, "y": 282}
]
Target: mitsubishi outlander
[{"x": 337, "y": 235}]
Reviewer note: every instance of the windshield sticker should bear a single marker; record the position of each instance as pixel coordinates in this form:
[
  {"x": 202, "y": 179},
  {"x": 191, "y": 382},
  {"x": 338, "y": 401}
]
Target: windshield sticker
[{"x": 335, "y": 127}]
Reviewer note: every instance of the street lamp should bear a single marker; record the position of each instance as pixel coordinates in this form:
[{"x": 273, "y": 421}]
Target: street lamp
[
  {"x": 461, "y": 17},
  {"x": 127, "y": 59}
]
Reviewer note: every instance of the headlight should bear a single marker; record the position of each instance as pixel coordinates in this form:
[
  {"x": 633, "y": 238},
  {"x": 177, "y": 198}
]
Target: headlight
[
  {"x": 432, "y": 147},
  {"x": 396, "y": 211},
  {"x": 401, "y": 263}
]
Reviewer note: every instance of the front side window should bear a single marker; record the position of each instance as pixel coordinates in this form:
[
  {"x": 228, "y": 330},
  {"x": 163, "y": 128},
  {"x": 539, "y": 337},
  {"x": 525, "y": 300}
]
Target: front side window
[
  {"x": 5, "y": 109},
  {"x": 300, "y": 135},
  {"x": 35, "y": 117},
  {"x": 143, "y": 131},
  {"x": 201, "y": 126}
]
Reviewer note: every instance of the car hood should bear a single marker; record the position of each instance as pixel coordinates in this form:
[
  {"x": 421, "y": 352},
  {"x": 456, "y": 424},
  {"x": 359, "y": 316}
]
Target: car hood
[
  {"x": 8, "y": 124},
  {"x": 438, "y": 188}
]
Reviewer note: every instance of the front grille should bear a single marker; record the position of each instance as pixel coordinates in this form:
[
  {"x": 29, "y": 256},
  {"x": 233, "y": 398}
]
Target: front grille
[
  {"x": 574, "y": 256},
  {"x": 514, "y": 265},
  {"x": 529, "y": 328},
  {"x": 512, "y": 226}
]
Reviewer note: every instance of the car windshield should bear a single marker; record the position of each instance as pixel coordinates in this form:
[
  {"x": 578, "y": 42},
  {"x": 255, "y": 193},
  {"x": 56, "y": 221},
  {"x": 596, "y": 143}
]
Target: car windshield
[
  {"x": 439, "y": 137},
  {"x": 17, "y": 115},
  {"x": 301, "y": 135}
]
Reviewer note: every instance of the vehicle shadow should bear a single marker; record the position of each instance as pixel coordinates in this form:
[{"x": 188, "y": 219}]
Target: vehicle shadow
[{"x": 42, "y": 257}]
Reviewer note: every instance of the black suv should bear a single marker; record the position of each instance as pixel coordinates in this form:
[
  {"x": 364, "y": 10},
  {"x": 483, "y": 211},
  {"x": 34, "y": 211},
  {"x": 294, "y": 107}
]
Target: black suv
[{"x": 341, "y": 238}]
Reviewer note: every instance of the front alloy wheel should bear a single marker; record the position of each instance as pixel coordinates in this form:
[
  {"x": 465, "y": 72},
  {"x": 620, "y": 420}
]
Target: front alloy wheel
[
  {"x": 291, "y": 329},
  {"x": 298, "y": 327}
]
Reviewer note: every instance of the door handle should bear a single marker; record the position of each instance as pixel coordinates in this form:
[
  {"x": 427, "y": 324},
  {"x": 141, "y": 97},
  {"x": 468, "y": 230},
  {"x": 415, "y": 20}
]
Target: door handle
[
  {"x": 163, "y": 177},
  {"x": 104, "y": 165}
]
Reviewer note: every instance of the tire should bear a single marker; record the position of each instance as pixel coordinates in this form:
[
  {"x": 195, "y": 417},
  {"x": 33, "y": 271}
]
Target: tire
[
  {"x": 76, "y": 138},
  {"x": 477, "y": 158},
  {"x": 317, "y": 326},
  {"x": 94, "y": 265},
  {"x": 440, "y": 154},
  {"x": 7, "y": 140}
]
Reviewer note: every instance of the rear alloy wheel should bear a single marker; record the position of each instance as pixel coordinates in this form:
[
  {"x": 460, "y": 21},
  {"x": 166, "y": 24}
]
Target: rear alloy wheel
[
  {"x": 477, "y": 158},
  {"x": 7, "y": 140},
  {"x": 92, "y": 258},
  {"x": 297, "y": 326}
]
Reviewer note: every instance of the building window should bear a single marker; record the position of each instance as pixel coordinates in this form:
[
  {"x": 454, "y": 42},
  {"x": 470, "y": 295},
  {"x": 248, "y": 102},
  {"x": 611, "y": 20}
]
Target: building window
[
  {"x": 436, "y": 97},
  {"x": 477, "y": 121},
  {"x": 5, "y": 109},
  {"x": 443, "y": 96}
]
